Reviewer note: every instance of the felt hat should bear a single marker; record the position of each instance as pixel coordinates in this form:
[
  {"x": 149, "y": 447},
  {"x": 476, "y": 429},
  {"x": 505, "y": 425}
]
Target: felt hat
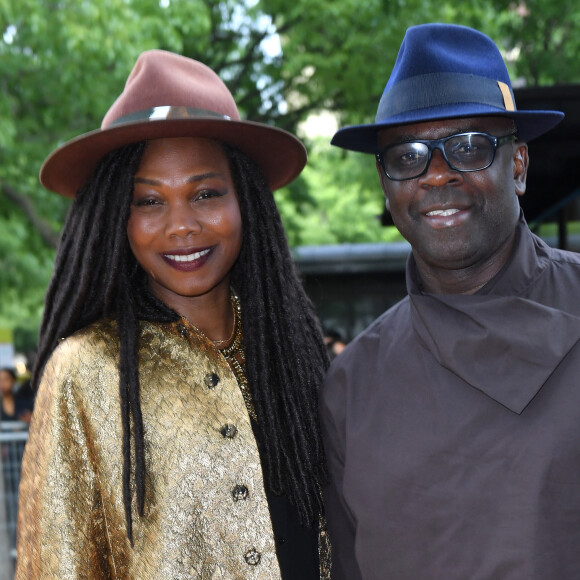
[
  {"x": 169, "y": 95},
  {"x": 445, "y": 71}
]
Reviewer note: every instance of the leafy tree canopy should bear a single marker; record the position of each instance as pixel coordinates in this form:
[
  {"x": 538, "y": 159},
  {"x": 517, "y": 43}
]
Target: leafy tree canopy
[{"x": 63, "y": 62}]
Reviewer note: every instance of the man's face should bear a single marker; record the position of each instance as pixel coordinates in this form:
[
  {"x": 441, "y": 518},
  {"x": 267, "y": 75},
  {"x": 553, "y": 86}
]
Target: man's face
[{"x": 457, "y": 220}]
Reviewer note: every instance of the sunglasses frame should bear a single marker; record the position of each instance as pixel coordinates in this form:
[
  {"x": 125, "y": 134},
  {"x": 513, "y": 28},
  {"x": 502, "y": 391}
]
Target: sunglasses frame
[{"x": 439, "y": 144}]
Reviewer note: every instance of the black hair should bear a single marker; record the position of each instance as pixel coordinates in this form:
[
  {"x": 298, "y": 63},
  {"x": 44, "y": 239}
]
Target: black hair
[
  {"x": 332, "y": 334},
  {"x": 96, "y": 275},
  {"x": 286, "y": 356},
  {"x": 10, "y": 371}
]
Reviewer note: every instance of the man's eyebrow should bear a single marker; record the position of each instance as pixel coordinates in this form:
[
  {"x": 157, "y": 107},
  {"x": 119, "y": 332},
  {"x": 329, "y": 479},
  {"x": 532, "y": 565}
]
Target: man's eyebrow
[
  {"x": 408, "y": 137},
  {"x": 191, "y": 179}
]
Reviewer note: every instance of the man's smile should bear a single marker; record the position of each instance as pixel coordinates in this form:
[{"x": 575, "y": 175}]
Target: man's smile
[{"x": 442, "y": 212}]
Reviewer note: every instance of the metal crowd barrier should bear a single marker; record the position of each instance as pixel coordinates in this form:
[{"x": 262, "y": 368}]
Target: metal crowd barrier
[{"x": 13, "y": 437}]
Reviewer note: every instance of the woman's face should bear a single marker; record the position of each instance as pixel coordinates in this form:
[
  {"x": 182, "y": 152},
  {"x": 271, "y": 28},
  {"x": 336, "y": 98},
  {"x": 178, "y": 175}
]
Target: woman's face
[
  {"x": 6, "y": 382},
  {"x": 185, "y": 227}
]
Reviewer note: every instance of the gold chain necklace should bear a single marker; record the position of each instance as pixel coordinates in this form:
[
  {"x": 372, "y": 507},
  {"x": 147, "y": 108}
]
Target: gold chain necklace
[{"x": 236, "y": 358}]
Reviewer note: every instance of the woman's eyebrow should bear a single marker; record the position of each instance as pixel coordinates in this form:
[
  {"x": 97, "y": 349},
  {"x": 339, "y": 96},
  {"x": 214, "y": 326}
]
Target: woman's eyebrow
[{"x": 191, "y": 179}]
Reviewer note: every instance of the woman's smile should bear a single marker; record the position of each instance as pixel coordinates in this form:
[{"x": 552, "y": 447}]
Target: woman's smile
[
  {"x": 185, "y": 227},
  {"x": 187, "y": 260}
]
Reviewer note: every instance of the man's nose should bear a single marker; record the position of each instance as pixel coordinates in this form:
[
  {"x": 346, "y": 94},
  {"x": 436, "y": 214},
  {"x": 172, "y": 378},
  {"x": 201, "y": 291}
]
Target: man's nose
[{"x": 439, "y": 171}]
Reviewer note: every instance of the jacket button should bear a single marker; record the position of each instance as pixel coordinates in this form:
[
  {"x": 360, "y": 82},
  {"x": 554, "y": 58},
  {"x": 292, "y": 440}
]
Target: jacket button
[
  {"x": 240, "y": 492},
  {"x": 252, "y": 557},
  {"x": 182, "y": 329},
  {"x": 229, "y": 431},
  {"x": 211, "y": 380}
]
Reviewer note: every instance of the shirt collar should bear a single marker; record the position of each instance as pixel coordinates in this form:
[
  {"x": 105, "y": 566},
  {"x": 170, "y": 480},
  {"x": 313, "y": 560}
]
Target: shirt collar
[{"x": 490, "y": 339}]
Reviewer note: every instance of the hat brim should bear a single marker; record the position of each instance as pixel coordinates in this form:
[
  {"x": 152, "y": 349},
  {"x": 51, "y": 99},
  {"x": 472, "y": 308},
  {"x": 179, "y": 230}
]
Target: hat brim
[
  {"x": 280, "y": 155},
  {"x": 363, "y": 138}
]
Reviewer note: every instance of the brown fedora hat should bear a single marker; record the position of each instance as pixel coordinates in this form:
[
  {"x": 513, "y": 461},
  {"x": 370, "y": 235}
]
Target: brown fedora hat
[{"x": 169, "y": 95}]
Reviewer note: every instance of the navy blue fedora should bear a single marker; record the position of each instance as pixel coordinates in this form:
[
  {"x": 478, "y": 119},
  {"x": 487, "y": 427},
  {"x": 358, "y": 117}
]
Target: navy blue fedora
[{"x": 445, "y": 71}]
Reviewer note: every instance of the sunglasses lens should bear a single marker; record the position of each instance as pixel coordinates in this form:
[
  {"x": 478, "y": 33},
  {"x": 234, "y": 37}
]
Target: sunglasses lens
[
  {"x": 405, "y": 160},
  {"x": 469, "y": 152}
]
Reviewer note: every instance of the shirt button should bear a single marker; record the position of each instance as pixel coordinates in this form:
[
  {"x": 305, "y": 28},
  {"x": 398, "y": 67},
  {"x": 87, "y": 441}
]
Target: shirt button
[
  {"x": 211, "y": 380},
  {"x": 240, "y": 492},
  {"x": 229, "y": 431},
  {"x": 252, "y": 557}
]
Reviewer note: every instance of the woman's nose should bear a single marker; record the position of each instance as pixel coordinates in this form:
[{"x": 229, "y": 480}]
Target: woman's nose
[{"x": 182, "y": 222}]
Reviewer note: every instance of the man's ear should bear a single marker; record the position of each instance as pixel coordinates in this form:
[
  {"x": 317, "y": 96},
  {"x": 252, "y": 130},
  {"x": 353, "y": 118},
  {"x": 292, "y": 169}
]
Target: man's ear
[
  {"x": 384, "y": 183},
  {"x": 520, "y": 167}
]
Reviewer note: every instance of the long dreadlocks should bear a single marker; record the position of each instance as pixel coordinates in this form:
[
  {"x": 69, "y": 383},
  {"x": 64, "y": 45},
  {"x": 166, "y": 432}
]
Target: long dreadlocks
[{"x": 96, "y": 275}]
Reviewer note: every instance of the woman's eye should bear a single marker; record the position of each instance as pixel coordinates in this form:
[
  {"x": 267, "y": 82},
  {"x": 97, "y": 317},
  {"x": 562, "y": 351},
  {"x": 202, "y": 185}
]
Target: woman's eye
[
  {"x": 208, "y": 194},
  {"x": 145, "y": 202}
]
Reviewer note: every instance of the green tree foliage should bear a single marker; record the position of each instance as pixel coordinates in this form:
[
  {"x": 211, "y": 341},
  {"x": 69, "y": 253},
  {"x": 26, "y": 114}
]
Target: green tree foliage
[
  {"x": 543, "y": 37},
  {"x": 63, "y": 62},
  {"x": 339, "y": 208}
]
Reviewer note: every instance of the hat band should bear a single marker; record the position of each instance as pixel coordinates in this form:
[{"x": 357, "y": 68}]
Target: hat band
[
  {"x": 166, "y": 112},
  {"x": 432, "y": 90}
]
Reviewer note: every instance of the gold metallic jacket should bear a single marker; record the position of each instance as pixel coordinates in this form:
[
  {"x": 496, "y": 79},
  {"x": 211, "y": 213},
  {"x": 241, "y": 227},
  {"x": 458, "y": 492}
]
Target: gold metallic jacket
[{"x": 206, "y": 513}]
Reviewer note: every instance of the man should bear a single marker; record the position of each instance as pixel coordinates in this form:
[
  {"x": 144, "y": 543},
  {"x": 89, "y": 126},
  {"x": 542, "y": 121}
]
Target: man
[{"x": 452, "y": 424}]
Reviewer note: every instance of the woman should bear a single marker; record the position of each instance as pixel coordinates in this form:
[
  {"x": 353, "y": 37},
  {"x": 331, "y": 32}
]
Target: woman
[
  {"x": 13, "y": 407},
  {"x": 175, "y": 430}
]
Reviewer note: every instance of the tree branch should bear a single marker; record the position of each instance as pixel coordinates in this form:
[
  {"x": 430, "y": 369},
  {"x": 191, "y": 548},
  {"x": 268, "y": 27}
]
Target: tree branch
[{"x": 46, "y": 232}]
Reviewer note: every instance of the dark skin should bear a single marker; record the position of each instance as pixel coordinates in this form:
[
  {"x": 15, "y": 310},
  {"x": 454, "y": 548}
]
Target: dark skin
[
  {"x": 185, "y": 229},
  {"x": 7, "y": 399},
  {"x": 6, "y": 394},
  {"x": 461, "y": 226}
]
